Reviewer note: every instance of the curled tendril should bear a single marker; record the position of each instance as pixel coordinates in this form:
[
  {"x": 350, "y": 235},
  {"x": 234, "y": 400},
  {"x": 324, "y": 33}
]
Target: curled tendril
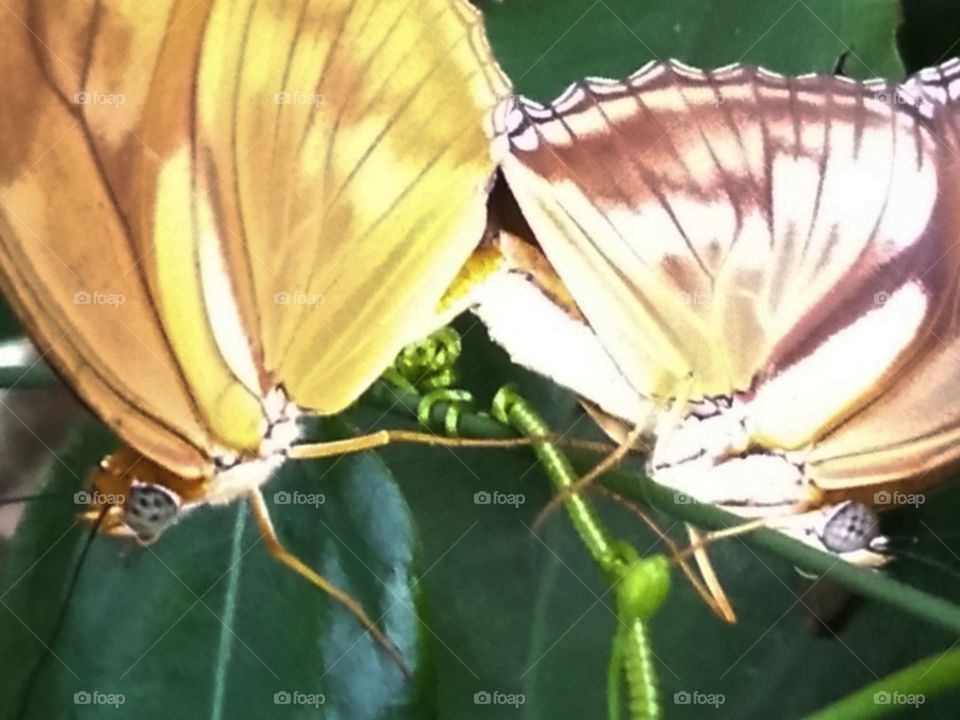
[
  {"x": 430, "y": 364},
  {"x": 457, "y": 401},
  {"x": 504, "y": 402},
  {"x": 428, "y": 368}
]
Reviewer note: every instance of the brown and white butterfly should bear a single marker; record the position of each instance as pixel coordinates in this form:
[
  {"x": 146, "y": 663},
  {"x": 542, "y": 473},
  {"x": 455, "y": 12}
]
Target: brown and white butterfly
[{"x": 762, "y": 274}]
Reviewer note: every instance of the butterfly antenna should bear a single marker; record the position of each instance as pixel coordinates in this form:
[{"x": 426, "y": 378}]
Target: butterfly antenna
[
  {"x": 62, "y": 614},
  {"x": 888, "y": 548}
]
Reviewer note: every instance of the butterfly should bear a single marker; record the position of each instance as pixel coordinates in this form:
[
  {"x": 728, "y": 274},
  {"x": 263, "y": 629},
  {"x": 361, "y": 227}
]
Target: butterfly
[
  {"x": 218, "y": 219},
  {"x": 760, "y": 281}
]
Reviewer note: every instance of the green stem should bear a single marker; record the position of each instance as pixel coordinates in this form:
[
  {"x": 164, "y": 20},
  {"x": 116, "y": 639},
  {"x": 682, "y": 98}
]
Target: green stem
[
  {"x": 641, "y": 673},
  {"x": 919, "y": 682},
  {"x": 614, "y": 673},
  {"x": 640, "y": 489},
  {"x": 631, "y": 657},
  {"x": 561, "y": 473}
]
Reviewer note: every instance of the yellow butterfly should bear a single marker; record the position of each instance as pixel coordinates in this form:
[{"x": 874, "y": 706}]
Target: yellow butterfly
[
  {"x": 219, "y": 217},
  {"x": 762, "y": 280}
]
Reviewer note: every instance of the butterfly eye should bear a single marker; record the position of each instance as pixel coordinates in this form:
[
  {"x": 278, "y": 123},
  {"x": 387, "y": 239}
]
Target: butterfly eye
[
  {"x": 852, "y": 526},
  {"x": 149, "y": 510}
]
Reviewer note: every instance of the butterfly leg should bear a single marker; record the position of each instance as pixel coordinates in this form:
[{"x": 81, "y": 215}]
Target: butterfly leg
[
  {"x": 714, "y": 587},
  {"x": 262, "y": 516},
  {"x": 608, "y": 463},
  {"x": 630, "y": 441}
]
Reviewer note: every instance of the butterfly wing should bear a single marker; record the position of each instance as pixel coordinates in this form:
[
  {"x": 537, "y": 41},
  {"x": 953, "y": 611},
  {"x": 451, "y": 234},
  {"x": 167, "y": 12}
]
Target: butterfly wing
[
  {"x": 375, "y": 123},
  {"x": 912, "y": 429},
  {"x": 68, "y": 263},
  {"x": 784, "y": 240},
  {"x": 526, "y": 308},
  {"x": 279, "y": 192}
]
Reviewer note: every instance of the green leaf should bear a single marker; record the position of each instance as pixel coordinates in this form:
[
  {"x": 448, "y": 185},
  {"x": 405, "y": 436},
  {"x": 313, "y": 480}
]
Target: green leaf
[
  {"x": 205, "y": 620},
  {"x": 544, "y": 46}
]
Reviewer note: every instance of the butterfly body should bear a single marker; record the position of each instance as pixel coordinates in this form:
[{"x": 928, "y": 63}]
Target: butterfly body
[
  {"x": 783, "y": 249},
  {"x": 126, "y": 476}
]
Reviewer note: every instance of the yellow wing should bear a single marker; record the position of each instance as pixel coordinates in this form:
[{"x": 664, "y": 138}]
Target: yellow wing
[
  {"x": 199, "y": 201},
  {"x": 374, "y": 121},
  {"x": 69, "y": 266}
]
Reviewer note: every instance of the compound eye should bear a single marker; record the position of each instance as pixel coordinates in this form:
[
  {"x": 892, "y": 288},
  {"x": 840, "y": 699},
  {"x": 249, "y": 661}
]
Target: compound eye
[
  {"x": 149, "y": 510},
  {"x": 853, "y": 526}
]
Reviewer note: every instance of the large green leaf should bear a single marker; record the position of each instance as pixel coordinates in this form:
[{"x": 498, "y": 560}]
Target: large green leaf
[{"x": 205, "y": 620}]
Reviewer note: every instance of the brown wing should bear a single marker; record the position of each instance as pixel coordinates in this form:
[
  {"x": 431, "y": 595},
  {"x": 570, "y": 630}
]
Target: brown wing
[{"x": 790, "y": 240}]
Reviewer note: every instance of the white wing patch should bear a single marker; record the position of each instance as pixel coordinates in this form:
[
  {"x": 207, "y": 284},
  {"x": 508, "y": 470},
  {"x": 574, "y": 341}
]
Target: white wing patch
[
  {"x": 549, "y": 341},
  {"x": 790, "y": 409},
  {"x": 221, "y": 306}
]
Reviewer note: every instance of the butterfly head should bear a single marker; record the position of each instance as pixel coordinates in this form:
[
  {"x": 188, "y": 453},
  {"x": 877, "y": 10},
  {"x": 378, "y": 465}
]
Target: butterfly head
[
  {"x": 132, "y": 496},
  {"x": 851, "y": 527}
]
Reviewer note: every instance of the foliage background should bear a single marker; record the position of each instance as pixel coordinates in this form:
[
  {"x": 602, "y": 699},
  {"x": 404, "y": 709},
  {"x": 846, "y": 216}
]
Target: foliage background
[{"x": 204, "y": 624}]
